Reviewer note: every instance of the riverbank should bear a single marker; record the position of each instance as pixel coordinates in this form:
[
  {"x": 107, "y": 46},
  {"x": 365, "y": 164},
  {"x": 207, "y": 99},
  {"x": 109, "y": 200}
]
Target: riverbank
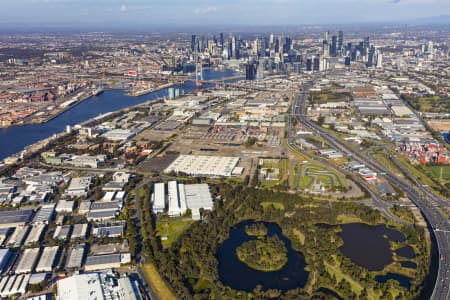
[{"x": 148, "y": 91}]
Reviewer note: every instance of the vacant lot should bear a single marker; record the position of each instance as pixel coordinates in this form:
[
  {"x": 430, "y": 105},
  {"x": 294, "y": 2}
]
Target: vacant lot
[{"x": 158, "y": 285}]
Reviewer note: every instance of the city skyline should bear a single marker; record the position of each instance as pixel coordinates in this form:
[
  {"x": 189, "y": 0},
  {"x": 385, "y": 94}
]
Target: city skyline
[{"x": 173, "y": 13}]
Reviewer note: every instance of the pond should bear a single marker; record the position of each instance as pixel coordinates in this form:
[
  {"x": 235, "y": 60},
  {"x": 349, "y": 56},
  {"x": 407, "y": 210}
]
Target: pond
[
  {"x": 402, "y": 280},
  {"x": 408, "y": 264},
  {"x": 237, "y": 275},
  {"x": 368, "y": 246},
  {"x": 406, "y": 252}
]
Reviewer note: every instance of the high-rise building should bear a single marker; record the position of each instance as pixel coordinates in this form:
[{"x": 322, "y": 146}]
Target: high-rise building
[
  {"x": 316, "y": 63},
  {"x": 326, "y": 36},
  {"x": 379, "y": 60},
  {"x": 333, "y": 50},
  {"x": 221, "y": 40},
  {"x": 194, "y": 43},
  {"x": 250, "y": 71},
  {"x": 234, "y": 47},
  {"x": 347, "y": 61},
  {"x": 309, "y": 64},
  {"x": 371, "y": 57},
  {"x": 326, "y": 49},
  {"x": 340, "y": 41}
]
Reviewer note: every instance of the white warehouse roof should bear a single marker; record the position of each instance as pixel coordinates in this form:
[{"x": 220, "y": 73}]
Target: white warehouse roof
[{"x": 204, "y": 166}]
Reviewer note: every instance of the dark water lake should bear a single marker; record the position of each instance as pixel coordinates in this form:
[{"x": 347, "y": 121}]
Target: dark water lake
[
  {"x": 406, "y": 252},
  {"x": 237, "y": 275},
  {"x": 368, "y": 246},
  {"x": 402, "y": 280}
]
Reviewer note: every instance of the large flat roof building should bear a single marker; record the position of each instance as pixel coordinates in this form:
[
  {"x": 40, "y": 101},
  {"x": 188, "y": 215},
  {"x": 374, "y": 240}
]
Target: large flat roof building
[
  {"x": 75, "y": 256},
  {"x": 47, "y": 260},
  {"x": 45, "y": 214},
  {"x": 175, "y": 206},
  {"x": 159, "y": 198},
  {"x": 198, "y": 196},
  {"x": 27, "y": 261},
  {"x": 12, "y": 218},
  {"x": 203, "y": 166}
]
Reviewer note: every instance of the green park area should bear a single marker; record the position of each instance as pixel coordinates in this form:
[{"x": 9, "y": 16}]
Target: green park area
[
  {"x": 266, "y": 254},
  {"x": 309, "y": 176},
  {"x": 274, "y": 172},
  {"x": 324, "y": 97},
  {"x": 169, "y": 229},
  {"x": 441, "y": 173},
  {"x": 157, "y": 283},
  {"x": 435, "y": 104}
]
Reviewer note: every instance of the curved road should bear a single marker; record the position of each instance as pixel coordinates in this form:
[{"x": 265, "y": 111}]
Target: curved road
[{"x": 425, "y": 200}]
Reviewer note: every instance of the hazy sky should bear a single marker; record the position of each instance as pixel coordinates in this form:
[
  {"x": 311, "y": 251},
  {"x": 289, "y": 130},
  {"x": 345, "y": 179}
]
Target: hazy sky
[{"x": 217, "y": 12}]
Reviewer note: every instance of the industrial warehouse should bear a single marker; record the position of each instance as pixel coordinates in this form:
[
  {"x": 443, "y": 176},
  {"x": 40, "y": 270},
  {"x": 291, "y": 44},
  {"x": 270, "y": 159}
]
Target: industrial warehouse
[
  {"x": 204, "y": 166},
  {"x": 180, "y": 197}
]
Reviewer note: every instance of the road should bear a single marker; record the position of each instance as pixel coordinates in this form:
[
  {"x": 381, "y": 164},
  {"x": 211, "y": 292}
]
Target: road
[{"x": 427, "y": 202}]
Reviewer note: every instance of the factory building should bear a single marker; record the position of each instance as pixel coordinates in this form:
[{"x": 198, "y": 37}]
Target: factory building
[
  {"x": 98, "y": 286},
  {"x": 158, "y": 198},
  {"x": 45, "y": 214},
  {"x": 27, "y": 261},
  {"x": 35, "y": 234},
  {"x": 79, "y": 231},
  {"x": 203, "y": 166},
  {"x": 18, "y": 236},
  {"x": 47, "y": 260},
  {"x": 13, "y": 218},
  {"x": 13, "y": 285},
  {"x": 180, "y": 198},
  {"x": 75, "y": 256}
]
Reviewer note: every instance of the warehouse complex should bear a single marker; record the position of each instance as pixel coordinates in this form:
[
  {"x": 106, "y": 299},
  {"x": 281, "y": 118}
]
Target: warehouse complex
[
  {"x": 180, "y": 197},
  {"x": 203, "y": 166}
]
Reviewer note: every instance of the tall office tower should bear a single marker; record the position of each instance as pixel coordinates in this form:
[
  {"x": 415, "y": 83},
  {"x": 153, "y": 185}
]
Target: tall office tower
[
  {"x": 287, "y": 44},
  {"x": 260, "y": 70},
  {"x": 326, "y": 49},
  {"x": 333, "y": 50},
  {"x": 309, "y": 64},
  {"x": 430, "y": 48},
  {"x": 250, "y": 71},
  {"x": 347, "y": 61},
  {"x": 234, "y": 47},
  {"x": 379, "y": 60},
  {"x": 316, "y": 63},
  {"x": 263, "y": 47},
  {"x": 194, "y": 43},
  {"x": 340, "y": 41},
  {"x": 202, "y": 44},
  {"x": 221, "y": 40},
  {"x": 277, "y": 46},
  {"x": 371, "y": 57},
  {"x": 280, "y": 44},
  {"x": 365, "y": 47},
  {"x": 326, "y": 35},
  {"x": 297, "y": 67}
]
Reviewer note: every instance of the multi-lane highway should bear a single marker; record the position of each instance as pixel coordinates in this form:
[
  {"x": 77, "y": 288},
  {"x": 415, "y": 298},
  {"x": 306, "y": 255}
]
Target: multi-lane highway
[{"x": 425, "y": 200}]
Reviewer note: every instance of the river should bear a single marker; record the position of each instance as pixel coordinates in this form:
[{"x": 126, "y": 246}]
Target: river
[{"x": 15, "y": 138}]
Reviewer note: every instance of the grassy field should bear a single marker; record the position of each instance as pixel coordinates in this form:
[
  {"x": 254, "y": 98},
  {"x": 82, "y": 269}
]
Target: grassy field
[
  {"x": 172, "y": 228},
  {"x": 157, "y": 283},
  {"x": 284, "y": 169},
  {"x": 344, "y": 219},
  {"x": 275, "y": 205},
  {"x": 436, "y": 172}
]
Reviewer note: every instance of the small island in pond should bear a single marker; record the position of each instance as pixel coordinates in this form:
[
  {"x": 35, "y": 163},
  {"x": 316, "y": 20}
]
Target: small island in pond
[
  {"x": 256, "y": 229},
  {"x": 265, "y": 254}
]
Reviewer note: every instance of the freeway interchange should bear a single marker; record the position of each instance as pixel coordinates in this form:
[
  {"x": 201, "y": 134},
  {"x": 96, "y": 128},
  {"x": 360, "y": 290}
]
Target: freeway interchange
[{"x": 426, "y": 201}]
